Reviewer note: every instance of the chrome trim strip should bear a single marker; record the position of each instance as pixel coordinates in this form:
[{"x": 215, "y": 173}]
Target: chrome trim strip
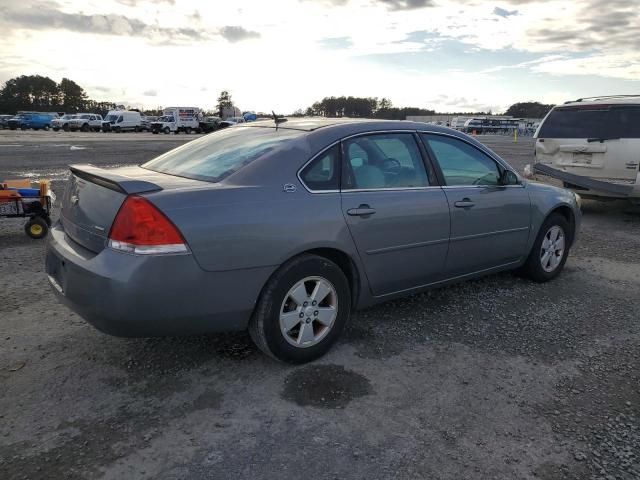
[
  {"x": 488, "y": 234},
  {"x": 391, "y": 189},
  {"x": 497, "y": 267},
  {"x": 496, "y": 187},
  {"x": 405, "y": 247}
]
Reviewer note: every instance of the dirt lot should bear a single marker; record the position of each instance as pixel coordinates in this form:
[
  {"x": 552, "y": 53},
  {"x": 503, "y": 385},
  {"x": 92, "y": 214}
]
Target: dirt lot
[{"x": 493, "y": 379}]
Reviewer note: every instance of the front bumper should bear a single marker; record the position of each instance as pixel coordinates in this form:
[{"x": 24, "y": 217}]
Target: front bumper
[{"x": 139, "y": 296}]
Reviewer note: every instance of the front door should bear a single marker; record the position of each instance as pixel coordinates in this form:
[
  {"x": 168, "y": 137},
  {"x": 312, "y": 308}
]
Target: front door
[
  {"x": 490, "y": 222},
  {"x": 397, "y": 218}
]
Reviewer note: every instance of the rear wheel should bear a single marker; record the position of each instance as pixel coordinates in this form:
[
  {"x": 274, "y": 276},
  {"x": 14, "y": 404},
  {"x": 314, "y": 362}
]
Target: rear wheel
[
  {"x": 550, "y": 250},
  {"x": 302, "y": 310},
  {"x": 187, "y": 130},
  {"x": 36, "y": 228}
]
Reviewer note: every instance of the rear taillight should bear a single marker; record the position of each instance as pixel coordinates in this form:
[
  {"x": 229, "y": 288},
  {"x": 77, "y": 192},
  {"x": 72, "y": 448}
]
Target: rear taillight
[{"x": 141, "y": 228}]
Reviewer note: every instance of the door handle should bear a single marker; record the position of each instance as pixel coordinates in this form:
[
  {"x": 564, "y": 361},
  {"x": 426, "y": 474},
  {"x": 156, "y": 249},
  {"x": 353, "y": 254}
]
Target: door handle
[
  {"x": 464, "y": 203},
  {"x": 361, "y": 211}
]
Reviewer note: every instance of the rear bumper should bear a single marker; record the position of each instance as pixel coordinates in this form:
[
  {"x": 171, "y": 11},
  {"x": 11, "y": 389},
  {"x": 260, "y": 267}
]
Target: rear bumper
[
  {"x": 589, "y": 186},
  {"x": 139, "y": 296}
]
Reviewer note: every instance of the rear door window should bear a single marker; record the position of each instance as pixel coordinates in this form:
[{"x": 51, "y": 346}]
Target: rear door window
[
  {"x": 217, "y": 155},
  {"x": 383, "y": 161}
]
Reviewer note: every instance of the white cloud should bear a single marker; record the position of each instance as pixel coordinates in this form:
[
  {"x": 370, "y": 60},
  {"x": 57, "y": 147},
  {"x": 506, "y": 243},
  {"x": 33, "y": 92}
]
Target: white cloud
[{"x": 276, "y": 57}]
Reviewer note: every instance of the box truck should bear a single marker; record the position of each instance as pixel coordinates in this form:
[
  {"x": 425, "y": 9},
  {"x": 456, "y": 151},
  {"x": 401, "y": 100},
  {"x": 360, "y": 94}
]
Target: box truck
[{"x": 178, "y": 119}]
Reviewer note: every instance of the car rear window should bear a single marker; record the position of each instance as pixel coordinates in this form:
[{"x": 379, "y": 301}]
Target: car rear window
[
  {"x": 574, "y": 123},
  {"x": 604, "y": 121},
  {"x": 217, "y": 155}
]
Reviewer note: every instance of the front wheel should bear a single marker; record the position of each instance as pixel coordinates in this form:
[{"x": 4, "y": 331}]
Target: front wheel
[
  {"x": 302, "y": 310},
  {"x": 36, "y": 228},
  {"x": 166, "y": 130},
  {"x": 550, "y": 250}
]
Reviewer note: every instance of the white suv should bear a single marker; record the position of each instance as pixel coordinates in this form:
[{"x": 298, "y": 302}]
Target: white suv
[
  {"x": 86, "y": 122},
  {"x": 593, "y": 146}
]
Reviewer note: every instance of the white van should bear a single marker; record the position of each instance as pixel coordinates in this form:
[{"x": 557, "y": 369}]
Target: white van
[
  {"x": 121, "y": 121},
  {"x": 593, "y": 146},
  {"x": 178, "y": 119}
]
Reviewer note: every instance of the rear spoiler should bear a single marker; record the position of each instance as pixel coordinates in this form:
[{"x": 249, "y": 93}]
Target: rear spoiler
[
  {"x": 584, "y": 182},
  {"x": 119, "y": 183}
]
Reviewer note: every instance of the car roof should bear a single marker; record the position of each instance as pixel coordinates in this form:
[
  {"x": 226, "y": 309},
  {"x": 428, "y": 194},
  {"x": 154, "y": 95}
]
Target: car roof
[
  {"x": 604, "y": 100},
  {"x": 310, "y": 124}
]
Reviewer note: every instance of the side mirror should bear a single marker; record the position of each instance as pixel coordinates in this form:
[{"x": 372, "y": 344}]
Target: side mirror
[{"x": 509, "y": 178}]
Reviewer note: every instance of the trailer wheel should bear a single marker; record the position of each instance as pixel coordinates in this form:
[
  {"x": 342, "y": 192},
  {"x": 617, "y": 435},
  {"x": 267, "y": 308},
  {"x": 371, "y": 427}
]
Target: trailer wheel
[
  {"x": 36, "y": 228},
  {"x": 166, "y": 130}
]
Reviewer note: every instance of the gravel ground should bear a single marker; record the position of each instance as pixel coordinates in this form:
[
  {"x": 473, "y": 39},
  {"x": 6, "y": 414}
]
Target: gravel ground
[{"x": 492, "y": 379}]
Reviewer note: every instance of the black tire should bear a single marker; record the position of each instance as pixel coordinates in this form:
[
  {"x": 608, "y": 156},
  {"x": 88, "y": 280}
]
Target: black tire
[
  {"x": 187, "y": 130},
  {"x": 85, "y": 127},
  {"x": 117, "y": 129},
  {"x": 136, "y": 129},
  {"x": 36, "y": 228},
  {"x": 55, "y": 129},
  {"x": 154, "y": 131},
  {"x": 166, "y": 130},
  {"x": 65, "y": 127},
  {"x": 264, "y": 326},
  {"x": 533, "y": 269},
  {"x": 45, "y": 128}
]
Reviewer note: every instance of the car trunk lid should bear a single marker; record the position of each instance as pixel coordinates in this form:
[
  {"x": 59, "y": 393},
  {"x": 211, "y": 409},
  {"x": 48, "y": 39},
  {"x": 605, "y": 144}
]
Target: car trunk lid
[{"x": 94, "y": 196}]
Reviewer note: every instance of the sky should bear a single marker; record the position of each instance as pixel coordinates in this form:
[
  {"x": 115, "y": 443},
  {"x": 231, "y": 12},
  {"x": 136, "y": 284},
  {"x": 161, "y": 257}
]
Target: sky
[{"x": 282, "y": 55}]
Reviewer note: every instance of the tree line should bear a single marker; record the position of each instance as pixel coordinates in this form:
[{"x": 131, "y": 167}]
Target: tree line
[
  {"x": 371, "y": 107},
  {"x": 360, "y": 107},
  {"x": 38, "y": 93}
]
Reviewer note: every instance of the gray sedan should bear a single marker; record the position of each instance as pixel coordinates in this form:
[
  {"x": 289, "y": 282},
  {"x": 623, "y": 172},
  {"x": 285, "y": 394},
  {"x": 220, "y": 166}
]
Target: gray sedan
[{"x": 285, "y": 229}]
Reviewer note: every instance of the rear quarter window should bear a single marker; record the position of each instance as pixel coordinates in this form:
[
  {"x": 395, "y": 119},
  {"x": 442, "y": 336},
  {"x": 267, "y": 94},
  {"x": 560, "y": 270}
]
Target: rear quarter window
[{"x": 218, "y": 155}]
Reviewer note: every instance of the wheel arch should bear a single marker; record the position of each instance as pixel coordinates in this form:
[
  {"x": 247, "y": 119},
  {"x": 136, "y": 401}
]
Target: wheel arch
[
  {"x": 567, "y": 213},
  {"x": 342, "y": 259}
]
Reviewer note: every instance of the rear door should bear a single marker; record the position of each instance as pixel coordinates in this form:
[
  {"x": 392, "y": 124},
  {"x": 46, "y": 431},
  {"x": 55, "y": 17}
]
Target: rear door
[
  {"x": 398, "y": 218},
  {"x": 489, "y": 222}
]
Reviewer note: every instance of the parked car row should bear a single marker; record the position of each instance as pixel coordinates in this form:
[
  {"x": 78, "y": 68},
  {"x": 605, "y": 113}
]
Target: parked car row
[{"x": 173, "y": 120}]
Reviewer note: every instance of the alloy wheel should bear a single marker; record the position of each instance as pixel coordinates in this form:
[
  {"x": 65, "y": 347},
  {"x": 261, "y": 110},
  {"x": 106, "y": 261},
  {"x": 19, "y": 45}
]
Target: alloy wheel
[
  {"x": 308, "y": 312},
  {"x": 552, "y": 249}
]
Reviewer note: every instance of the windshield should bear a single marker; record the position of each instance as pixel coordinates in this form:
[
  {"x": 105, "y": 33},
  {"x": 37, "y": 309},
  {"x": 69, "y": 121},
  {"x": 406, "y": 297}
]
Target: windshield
[
  {"x": 218, "y": 155},
  {"x": 111, "y": 118},
  {"x": 166, "y": 119}
]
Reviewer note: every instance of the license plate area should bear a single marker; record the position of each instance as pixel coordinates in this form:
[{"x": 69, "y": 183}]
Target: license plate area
[{"x": 582, "y": 158}]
